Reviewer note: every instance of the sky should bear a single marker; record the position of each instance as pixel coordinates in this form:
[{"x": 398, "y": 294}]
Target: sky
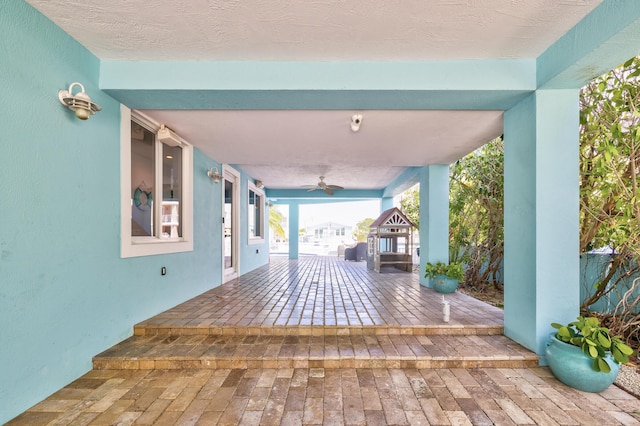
[{"x": 344, "y": 213}]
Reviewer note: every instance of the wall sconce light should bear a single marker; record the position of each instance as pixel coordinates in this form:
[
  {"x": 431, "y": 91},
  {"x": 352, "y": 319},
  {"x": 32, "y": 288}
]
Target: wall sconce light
[
  {"x": 259, "y": 184},
  {"x": 356, "y": 120},
  {"x": 214, "y": 174},
  {"x": 80, "y": 103}
]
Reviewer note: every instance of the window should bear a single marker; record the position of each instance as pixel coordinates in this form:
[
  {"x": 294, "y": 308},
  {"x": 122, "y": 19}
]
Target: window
[
  {"x": 255, "y": 214},
  {"x": 150, "y": 171}
]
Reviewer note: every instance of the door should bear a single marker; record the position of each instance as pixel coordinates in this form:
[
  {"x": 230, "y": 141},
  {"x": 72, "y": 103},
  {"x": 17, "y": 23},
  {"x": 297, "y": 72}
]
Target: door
[{"x": 230, "y": 221}]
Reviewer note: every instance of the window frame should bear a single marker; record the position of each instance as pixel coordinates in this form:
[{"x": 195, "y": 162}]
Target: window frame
[
  {"x": 259, "y": 239},
  {"x": 131, "y": 246}
]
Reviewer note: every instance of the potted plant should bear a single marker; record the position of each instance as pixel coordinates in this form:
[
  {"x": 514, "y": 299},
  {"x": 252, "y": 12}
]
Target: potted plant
[
  {"x": 584, "y": 355},
  {"x": 445, "y": 277}
]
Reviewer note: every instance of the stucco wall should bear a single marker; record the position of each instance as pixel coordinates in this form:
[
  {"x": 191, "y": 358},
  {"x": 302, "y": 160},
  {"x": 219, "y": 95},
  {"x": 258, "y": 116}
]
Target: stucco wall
[{"x": 65, "y": 293}]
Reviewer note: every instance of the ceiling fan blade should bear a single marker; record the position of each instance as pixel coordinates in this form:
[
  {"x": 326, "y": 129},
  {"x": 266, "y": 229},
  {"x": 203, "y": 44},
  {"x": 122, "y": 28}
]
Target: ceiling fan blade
[
  {"x": 328, "y": 191},
  {"x": 335, "y": 187},
  {"x": 312, "y": 189}
]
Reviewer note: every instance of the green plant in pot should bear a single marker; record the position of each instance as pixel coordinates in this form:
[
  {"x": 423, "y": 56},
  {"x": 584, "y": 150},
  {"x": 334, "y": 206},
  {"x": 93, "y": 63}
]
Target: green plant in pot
[
  {"x": 584, "y": 355},
  {"x": 445, "y": 276}
]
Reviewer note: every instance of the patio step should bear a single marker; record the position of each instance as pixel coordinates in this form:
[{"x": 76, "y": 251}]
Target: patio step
[
  {"x": 163, "y": 351},
  {"x": 173, "y": 329}
]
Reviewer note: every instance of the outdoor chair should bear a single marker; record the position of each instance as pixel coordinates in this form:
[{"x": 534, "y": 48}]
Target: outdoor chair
[{"x": 357, "y": 253}]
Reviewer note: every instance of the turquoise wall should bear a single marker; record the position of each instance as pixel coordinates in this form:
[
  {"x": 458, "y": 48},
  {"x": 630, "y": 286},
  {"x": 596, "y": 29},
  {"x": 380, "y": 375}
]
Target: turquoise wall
[
  {"x": 249, "y": 259},
  {"x": 294, "y": 227},
  {"x": 541, "y": 215},
  {"x": 434, "y": 214},
  {"x": 65, "y": 293}
]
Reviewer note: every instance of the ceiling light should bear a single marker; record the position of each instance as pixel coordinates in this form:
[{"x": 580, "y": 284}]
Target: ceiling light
[{"x": 80, "y": 103}]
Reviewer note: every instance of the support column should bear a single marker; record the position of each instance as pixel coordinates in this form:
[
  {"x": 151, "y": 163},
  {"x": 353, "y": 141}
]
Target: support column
[
  {"x": 541, "y": 227},
  {"x": 294, "y": 228},
  {"x": 434, "y": 217},
  {"x": 386, "y": 203}
]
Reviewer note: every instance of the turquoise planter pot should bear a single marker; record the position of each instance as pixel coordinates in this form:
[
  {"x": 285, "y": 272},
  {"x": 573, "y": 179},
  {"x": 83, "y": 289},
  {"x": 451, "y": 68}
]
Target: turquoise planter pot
[
  {"x": 573, "y": 368},
  {"x": 444, "y": 284}
]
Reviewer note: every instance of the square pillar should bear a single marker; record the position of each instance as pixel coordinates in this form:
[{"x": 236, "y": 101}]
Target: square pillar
[
  {"x": 434, "y": 217},
  {"x": 541, "y": 223},
  {"x": 386, "y": 203},
  {"x": 294, "y": 229}
]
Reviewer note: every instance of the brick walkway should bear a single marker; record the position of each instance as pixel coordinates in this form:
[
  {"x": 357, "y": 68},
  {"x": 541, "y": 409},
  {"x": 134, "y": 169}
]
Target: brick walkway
[
  {"x": 325, "y": 294},
  {"x": 323, "y": 341}
]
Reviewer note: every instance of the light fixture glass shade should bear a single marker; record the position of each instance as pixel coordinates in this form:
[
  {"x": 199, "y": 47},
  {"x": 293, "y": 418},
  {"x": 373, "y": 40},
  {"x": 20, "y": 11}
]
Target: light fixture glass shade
[
  {"x": 214, "y": 175},
  {"x": 80, "y": 103}
]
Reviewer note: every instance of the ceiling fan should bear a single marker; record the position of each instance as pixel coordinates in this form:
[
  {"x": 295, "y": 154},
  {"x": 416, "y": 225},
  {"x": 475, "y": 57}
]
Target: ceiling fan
[{"x": 328, "y": 189}]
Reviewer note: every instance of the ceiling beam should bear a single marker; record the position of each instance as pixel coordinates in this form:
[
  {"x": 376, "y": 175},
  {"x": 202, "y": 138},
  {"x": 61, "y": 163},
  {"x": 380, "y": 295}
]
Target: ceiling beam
[
  {"x": 455, "y": 85},
  {"x": 603, "y": 40}
]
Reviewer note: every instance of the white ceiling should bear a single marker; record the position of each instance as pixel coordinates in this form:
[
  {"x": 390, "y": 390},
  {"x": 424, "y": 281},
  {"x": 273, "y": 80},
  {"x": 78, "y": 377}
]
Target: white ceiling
[
  {"x": 315, "y": 30},
  {"x": 286, "y": 149}
]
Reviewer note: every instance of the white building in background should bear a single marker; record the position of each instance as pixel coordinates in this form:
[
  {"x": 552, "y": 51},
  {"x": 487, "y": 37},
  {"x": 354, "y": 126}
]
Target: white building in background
[{"x": 325, "y": 237}]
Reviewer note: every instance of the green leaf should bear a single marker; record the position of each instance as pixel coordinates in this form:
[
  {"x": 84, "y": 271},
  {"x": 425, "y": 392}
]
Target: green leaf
[
  {"x": 603, "y": 365},
  {"x": 604, "y": 340},
  {"x": 564, "y": 333},
  {"x": 619, "y": 356},
  {"x": 593, "y": 351},
  {"x": 624, "y": 349},
  {"x": 595, "y": 365}
]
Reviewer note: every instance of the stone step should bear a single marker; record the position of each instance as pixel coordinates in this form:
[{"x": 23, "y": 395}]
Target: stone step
[
  {"x": 174, "y": 329},
  {"x": 164, "y": 351}
]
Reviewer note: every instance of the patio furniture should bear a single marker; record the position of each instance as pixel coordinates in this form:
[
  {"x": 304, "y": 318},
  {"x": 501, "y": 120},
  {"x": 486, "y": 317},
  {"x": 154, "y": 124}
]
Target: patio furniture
[{"x": 357, "y": 253}]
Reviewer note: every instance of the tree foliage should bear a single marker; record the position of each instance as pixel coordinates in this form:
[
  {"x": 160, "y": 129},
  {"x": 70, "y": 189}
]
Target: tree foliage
[
  {"x": 609, "y": 171},
  {"x": 476, "y": 235},
  {"x": 476, "y": 213},
  {"x": 410, "y": 205},
  {"x": 361, "y": 230},
  {"x": 275, "y": 222},
  {"x": 609, "y": 160}
]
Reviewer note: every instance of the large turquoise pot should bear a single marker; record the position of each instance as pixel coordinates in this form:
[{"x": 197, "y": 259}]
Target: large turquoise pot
[
  {"x": 573, "y": 367},
  {"x": 444, "y": 284}
]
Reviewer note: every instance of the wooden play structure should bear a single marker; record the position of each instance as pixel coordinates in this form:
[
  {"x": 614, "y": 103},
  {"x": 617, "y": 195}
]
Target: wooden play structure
[{"x": 390, "y": 242}]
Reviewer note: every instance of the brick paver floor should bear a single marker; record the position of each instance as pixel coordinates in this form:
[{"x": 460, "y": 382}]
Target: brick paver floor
[
  {"x": 321, "y": 341},
  {"x": 317, "y": 396},
  {"x": 294, "y": 296}
]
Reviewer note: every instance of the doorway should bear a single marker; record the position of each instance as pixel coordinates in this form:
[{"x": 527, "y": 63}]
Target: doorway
[{"x": 230, "y": 221}]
